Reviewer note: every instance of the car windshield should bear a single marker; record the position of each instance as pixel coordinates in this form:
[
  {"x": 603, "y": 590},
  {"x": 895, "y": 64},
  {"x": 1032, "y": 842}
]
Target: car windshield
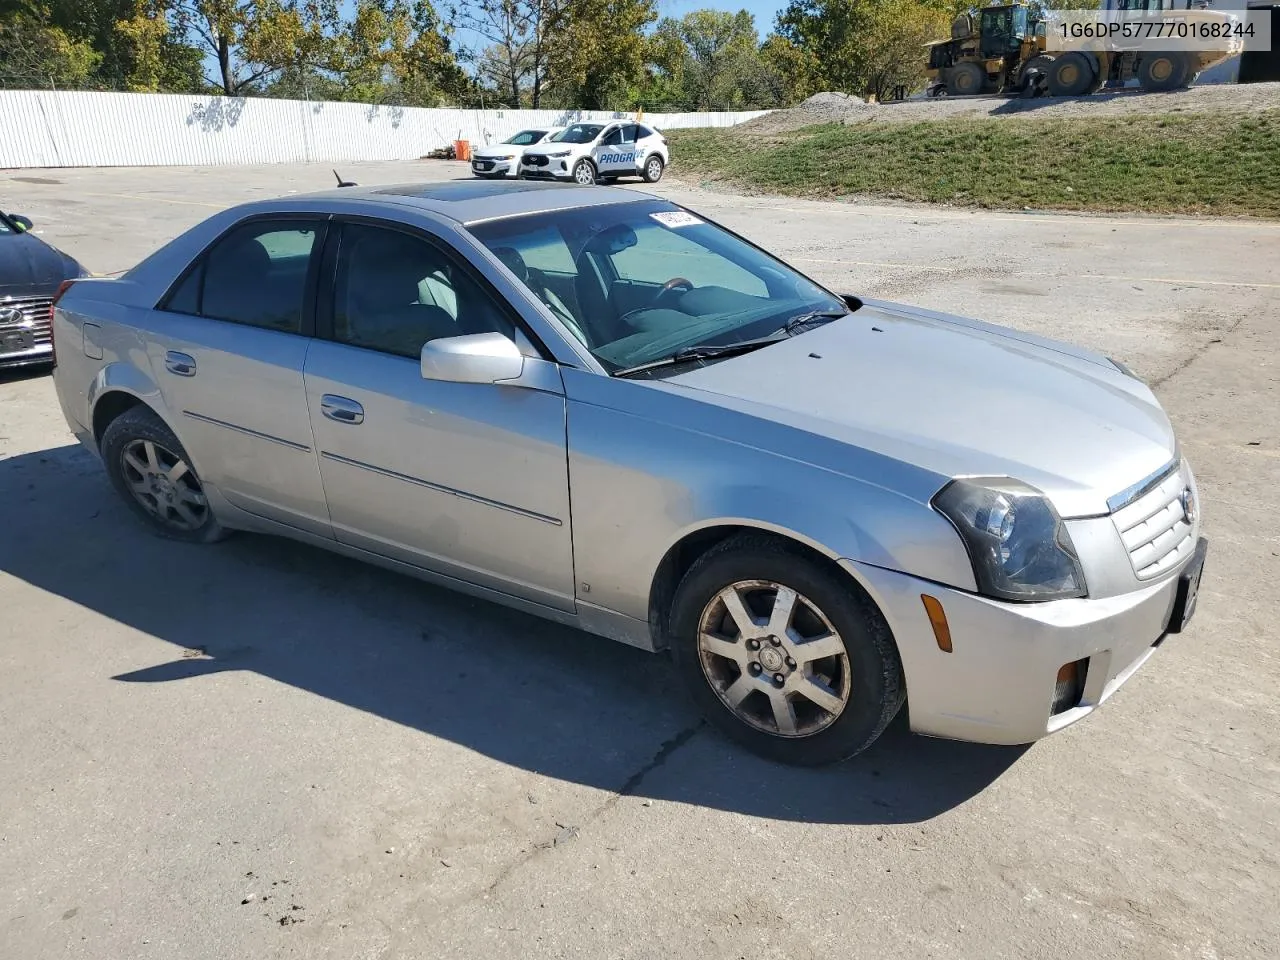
[
  {"x": 637, "y": 282},
  {"x": 525, "y": 137},
  {"x": 579, "y": 133}
]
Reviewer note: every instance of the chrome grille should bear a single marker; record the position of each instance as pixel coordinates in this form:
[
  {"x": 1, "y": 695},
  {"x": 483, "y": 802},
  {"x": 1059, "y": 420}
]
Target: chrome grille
[
  {"x": 1154, "y": 525},
  {"x": 34, "y": 311}
]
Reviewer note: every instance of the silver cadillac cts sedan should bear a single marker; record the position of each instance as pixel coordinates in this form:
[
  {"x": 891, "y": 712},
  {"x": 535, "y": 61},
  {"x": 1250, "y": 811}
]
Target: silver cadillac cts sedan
[{"x": 601, "y": 408}]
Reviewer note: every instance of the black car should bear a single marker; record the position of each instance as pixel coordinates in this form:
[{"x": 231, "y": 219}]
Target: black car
[{"x": 30, "y": 273}]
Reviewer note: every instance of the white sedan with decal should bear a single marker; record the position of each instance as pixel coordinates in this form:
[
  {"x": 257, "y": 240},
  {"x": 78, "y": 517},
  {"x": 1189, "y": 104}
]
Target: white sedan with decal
[{"x": 587, "y": 153}]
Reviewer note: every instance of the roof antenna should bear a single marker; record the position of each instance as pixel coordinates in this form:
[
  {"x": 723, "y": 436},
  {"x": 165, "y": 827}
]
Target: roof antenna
[{"x": 344, "y": 183}]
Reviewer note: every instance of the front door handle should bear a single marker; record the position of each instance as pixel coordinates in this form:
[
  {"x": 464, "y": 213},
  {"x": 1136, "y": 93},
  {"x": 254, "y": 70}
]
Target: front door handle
[
  {"x": 341, "y": 409},
  {"x": 183, "y": 364}
]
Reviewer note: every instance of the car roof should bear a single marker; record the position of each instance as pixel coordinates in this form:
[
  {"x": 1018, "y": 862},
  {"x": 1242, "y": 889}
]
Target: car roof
[{"x": 471, "y": 201}]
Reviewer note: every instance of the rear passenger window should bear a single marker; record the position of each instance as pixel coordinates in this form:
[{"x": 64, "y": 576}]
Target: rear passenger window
[{"x": 255, "y": 275}]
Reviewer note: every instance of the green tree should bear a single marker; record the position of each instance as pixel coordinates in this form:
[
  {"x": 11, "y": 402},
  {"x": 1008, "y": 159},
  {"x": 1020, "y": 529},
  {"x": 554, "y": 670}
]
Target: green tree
[
  {"x": 596, "y": 55},
  {"x": 796, "y": 72},
  {"x": 255, "y": 41},
  {"x": 516, "y": 62},
  {"x": 397, "y": 51},
  {"x": 37, "y": 53},
  {"x": 713, "y": 57},
  {"x": 858, "y": 46},
  {"x": 146, "y": 55}
]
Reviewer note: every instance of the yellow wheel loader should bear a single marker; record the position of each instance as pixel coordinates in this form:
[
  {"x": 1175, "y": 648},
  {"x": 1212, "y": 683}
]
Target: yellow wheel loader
[{"x": 1004, "y": 49}]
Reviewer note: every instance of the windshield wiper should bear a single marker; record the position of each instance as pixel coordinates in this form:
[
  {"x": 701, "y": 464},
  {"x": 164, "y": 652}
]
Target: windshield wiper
[
  {"x": 690, "y": 354},
  {"x": 795, "y": 324}
]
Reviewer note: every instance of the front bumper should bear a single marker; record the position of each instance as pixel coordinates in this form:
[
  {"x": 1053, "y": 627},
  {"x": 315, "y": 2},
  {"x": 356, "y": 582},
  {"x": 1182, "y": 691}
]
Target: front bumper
[
  {"x": 494, "y": 168},
  {"x": 555, "y": 169},
  {"x": 998, "y": 683},
  {"x": 40, "y": 354}
]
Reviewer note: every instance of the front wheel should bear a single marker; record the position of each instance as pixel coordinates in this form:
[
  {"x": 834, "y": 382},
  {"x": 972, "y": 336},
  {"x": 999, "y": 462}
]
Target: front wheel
[
  {"x": 653, "y": 168},
  {"x": 584, "y": 173},
  {"x": 783, "y": 653},
  {"x": 1070, "y": 75},
  {"x": 1159, "y": 72},
  {"x": 150, "y": 469}
]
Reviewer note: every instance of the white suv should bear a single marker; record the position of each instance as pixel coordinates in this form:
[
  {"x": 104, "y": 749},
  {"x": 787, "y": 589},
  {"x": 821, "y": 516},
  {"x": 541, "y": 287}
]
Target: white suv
[{"x": 590, "y": 152}]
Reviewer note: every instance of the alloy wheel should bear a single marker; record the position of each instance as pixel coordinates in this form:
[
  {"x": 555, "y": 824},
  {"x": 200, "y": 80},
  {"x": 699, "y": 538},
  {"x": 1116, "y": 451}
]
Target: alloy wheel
[
  {"x": 164, "y": 484},
  {"x": 773, "y": 658}
]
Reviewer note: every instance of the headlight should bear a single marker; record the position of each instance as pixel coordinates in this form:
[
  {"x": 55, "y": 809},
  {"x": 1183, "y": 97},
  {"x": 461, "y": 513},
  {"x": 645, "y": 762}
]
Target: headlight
[
  {"x": 1019, "y": 546},
  {"x": 560, "y": 153}
]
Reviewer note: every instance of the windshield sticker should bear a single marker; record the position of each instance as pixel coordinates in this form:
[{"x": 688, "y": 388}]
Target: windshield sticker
[{"x": 676, "y": 218}]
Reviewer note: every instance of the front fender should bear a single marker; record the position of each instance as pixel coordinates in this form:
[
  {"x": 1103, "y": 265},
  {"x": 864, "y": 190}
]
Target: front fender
[{"x": 641, "y": 483}]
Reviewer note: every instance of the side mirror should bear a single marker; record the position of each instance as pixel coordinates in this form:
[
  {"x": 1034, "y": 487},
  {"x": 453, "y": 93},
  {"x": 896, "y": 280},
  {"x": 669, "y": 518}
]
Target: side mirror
[
  {"x": 475, "y": 358},
  {"x": 24, "y": 223}
]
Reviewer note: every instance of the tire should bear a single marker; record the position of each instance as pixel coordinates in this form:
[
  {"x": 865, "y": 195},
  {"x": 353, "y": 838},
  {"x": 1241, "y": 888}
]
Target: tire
[
  {"x": 175, "y": 506},
  {"x": 857, "y": 662},
  {"x": 584, "y": 173},
  {"x": 1033, "y": 75},
  {"x": 1070, "y": 75},
  {"x": 653, "y": 168},
  {"x": 1159, "y": 72},
  {"x": 966, "y": 79}
]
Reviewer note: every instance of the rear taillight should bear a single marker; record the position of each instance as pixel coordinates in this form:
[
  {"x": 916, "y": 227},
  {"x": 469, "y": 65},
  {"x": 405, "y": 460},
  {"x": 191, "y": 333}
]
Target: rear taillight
[{"x": 53, "y": 335}]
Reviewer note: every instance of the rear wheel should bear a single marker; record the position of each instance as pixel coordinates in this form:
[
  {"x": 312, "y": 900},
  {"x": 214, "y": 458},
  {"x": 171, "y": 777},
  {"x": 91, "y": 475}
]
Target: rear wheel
[
  {"x": 584, "y": 173},
  {"x": 1164, "y": 71},
  {"x": 784, "y": 654},
  {"x": 1070, "y": 75},
  {"x": 150, "y": 469},
  {"x": 653, "y": 168},
  {"x": 966, "y": 79}
]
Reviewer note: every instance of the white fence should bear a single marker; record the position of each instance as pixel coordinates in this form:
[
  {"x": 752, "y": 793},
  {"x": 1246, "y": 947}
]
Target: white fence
[{"x": 74, "y": 129}]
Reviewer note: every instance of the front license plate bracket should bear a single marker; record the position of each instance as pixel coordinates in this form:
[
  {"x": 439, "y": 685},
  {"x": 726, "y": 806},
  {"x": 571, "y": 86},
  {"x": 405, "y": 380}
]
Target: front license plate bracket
[{"x": 1184, "y": 601}]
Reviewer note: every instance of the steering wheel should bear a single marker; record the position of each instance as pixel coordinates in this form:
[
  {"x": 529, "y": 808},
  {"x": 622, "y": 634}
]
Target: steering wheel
[{"x": 669, "y": 289}]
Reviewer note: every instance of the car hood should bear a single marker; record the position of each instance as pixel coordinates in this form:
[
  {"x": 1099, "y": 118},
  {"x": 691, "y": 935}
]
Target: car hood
[
  {"x": 554, "y": 147},
  {"x": 497, "y": 150},
  {"x": 957, "y": 398},
  {"x": 30, "y": 267}
]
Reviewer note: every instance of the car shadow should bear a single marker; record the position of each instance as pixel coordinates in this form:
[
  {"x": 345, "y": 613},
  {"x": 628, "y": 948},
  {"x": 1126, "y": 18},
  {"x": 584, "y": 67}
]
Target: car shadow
[
  {"x": 35, "y": 371},
  {"x": 513, "y": 687}
]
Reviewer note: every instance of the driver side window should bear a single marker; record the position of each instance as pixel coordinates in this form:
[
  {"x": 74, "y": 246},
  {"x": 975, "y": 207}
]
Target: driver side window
[
  {"x": 613, "y": 139},
  {"x": 395, "y": 291}
]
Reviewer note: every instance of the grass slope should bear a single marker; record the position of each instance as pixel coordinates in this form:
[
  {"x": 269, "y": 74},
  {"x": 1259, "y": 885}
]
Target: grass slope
[{"x": 1190, "y": 164}]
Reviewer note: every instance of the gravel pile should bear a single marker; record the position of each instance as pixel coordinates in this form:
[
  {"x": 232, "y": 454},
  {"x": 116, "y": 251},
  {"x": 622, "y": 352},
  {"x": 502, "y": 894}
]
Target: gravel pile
[{"x": 841, "y": 108}]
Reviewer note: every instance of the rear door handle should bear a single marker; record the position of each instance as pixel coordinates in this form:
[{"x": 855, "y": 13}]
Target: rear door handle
[
  {"x": 341, "y": 409},
  {"x": 183, "y": 364}
]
